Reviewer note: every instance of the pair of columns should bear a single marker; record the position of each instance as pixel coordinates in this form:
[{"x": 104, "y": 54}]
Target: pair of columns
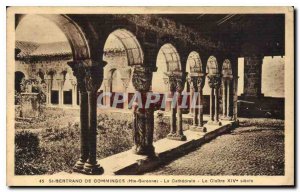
[
  {"x": 196, "y": 82},
  {"x": 89, "y": 78},
  {"x": 226, "y": 90},
  {"x": 214, "y": 82},
  {"x": 176, "y": 85},
  {"x": 60, "y": 82}
]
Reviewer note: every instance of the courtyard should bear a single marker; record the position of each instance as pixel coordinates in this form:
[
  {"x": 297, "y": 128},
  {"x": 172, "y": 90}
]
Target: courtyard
[{"x": 48, "y": 146}]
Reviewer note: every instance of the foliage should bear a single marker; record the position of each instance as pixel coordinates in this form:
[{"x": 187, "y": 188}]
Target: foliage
[
  {"x": 58, "y": 146},
  {"x": 27, "y": 149}
]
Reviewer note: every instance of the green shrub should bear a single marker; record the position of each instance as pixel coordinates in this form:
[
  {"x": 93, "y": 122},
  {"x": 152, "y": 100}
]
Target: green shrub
[
  {"x": 27, "y": 140},
  {"x": 26, "y": 152}
]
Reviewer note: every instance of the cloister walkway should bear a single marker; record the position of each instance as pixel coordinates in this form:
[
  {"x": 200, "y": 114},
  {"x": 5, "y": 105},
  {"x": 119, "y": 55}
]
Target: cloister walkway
[{"x": 243, "y": 151}]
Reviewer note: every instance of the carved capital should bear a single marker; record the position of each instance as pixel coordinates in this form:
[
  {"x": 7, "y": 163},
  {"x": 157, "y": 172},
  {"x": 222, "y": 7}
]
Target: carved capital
[
  {"x": 89, "y": 77},
  {"x": 214, "y": 81},
  {"x": 142, "y": 78}
]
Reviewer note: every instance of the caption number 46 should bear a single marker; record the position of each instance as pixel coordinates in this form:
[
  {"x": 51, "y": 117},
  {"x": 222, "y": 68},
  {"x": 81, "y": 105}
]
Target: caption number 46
[{"x": 41, "y": 181}]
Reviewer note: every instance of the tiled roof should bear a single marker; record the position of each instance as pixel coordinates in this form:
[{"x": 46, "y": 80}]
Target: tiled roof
[
  {"x": 43, "y": 49},
  {"x": 25, "y": 47}
]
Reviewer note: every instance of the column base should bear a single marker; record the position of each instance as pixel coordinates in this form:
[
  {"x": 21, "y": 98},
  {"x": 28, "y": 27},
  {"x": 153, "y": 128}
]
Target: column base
[
  {"x": 214, "y": 123},
  {"x": 226, "y": 118},
  {"x": 198, "y": 128},
  {"x": 93, "y": 169},
  {"x": 147, "y": 150},
  {"x": 78, "y": 166},
  {"x": 177, "y": 137}
]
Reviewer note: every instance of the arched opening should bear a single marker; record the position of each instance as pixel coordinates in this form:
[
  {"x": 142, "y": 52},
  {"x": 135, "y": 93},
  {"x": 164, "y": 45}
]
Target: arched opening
[
  {"x": 193, "y": 66},
  {"x": 47, "y": 43},
  {"x": 167, "y": 61},
  {"x": 122, "y": 52},
  {"x": 19, "y": 76},
  {"x": 211, "y": 68},
  {"x": 226, "y": 90}
]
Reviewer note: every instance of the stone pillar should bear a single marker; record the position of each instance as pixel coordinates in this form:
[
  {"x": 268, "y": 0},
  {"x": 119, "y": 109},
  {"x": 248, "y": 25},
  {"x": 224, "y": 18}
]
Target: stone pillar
[
  {"x": 214, "y": 83},
  {"x": 197, "y": 81},
  {"x": 176, "y": 83},
  {"x": 192, "y": 90},
  {"x": 74, "y": 92},
  {"x": 106, "y": 98},
  {"x": 217, "y": 122},
  {"x": 94, "y": 77},
  {"x": 228, "y": 104},
  {"x": 170, "y": 94},
  {"x": 89, "y": 78},
  {"x": 126, "y": 82},
  {"x": 180, "y": 85},
  {"x": 200, "y": 110},
  {"x": 49, "y": 88},
  {"x": 252, "y": 77},
  {"x": 224, "y": 99},
  {"x": 143, "y": 118},
  {"x": 211, "y": 105},
  {"x": 193, "y": 101},
  {"x": 60, "y": 83},
  {"x": 171, "y": 82},
  {"x": 235, "y": 99}
]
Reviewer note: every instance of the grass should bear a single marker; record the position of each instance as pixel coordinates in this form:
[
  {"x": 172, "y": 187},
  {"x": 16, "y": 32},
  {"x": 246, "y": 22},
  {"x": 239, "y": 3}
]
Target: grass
[{"x": 58, "y": 139}]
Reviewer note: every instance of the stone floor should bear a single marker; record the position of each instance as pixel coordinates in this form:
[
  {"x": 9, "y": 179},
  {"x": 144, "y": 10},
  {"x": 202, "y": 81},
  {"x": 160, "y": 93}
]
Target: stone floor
[
  {"x": 245, "y": 151},
  {"x": 127, "y": 163}
]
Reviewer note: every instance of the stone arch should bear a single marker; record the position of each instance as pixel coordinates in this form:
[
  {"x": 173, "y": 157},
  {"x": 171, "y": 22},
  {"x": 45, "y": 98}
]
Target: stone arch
[
  {"x": 167, "y": 61},
  {"x": 194, "y": 63},
  {"x": 171, "y": 58},
  {"x": 226, "y": 68},
  {"x": 212, "y": 67},
  {"x": 128, "y": 43},
  {"x": 73, "y": 32}
]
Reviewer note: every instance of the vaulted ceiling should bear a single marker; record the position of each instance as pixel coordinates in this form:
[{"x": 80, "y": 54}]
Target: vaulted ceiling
[{"x": 264, "y": 32}]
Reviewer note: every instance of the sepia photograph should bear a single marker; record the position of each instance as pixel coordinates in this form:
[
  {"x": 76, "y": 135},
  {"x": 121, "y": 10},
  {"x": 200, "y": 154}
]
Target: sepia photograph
[{"x": 150, "y": 96}]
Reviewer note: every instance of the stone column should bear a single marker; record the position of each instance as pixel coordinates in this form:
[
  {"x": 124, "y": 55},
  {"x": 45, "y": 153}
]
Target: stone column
[
  {"x": 60, "y": 83},
  {"x": 170, "y": 94},
  {"x": 171, "y": 82},
  {"x": 177, "y": 83},
  {"x": 211, "y": 105},
  {"x": 180, "y": 136},
  {"x": 143, "y": 118},
  {"x": 198, "y": 83},
  {"x": 217, "y": 122},
  {"x": 94, "y": 77},
  {"x": 226, "y": 80},
  {"x": 224, "y": 99},
  {"x": 79, "y": 72},
  {"x": 192, "y": 90},
  {"x": 228, "y": 99},
  {"x": 89, "y": 77},
  {"x": 214, "y": 83},
  {"x": 74, "y": 92},
  {"x": 235, "y": 99},
  {"x": 49, "y": 88},
  {"x": 106, "y": 98},
  {"x": 126, "y": 82},
  {"x": 194, "y": 101}
]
